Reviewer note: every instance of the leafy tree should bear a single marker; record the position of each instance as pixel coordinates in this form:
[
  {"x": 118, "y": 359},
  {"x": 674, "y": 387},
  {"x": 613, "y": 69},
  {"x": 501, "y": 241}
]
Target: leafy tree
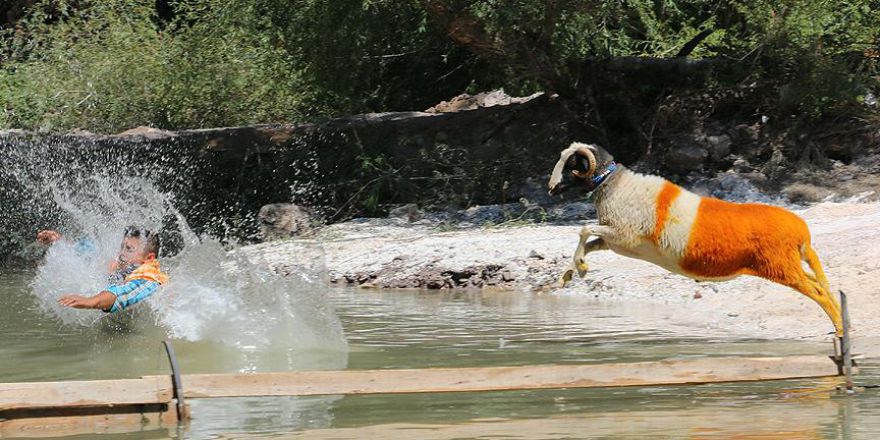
[
  {"x": 110, "y": 65},
  {"x": 619, "y": 62}
]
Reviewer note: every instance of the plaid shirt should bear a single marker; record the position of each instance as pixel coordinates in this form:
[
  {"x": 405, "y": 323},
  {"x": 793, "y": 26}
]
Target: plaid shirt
[{"x": 132, "y": 285}]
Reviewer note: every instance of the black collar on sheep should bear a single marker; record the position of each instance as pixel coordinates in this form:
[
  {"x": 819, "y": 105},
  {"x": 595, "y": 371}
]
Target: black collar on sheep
[{"x": 599, "y": 178}]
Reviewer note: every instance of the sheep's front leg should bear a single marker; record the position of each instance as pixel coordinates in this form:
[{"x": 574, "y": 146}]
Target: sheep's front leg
[{"x": 579, "y": 261}]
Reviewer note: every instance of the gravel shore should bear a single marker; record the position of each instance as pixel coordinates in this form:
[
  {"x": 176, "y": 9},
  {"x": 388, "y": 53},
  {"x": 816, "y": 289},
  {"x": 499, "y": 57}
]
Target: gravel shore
[{"x": 390, "y": 253}]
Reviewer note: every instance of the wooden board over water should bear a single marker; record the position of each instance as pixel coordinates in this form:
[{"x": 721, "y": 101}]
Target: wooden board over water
[
  {"x": 434, "y": 380},
  {"x": 157, "y": 389},
  {"x": 39, "y": 409},
  {"x": 58, "y": 426}
]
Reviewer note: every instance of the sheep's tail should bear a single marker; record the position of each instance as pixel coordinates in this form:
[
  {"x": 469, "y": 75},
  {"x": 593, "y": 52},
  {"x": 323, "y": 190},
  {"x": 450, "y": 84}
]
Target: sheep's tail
[{"x": 809, "y": 255}]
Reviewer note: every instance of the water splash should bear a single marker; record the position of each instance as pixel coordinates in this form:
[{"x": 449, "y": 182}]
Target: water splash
[{"x": 214, "y": 295}]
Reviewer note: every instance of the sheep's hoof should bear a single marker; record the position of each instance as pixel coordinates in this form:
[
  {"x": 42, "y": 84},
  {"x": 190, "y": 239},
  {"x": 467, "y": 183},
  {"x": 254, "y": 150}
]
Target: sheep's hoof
[{"x": 565, "y": 278}]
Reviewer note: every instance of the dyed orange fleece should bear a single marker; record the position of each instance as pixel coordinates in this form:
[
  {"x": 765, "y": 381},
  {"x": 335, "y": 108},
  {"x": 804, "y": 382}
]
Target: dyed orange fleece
[{"x": 730, "y": 239}]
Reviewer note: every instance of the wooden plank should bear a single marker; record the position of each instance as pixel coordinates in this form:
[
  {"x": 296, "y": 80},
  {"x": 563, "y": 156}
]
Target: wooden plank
[
  {"x": 692, "y": 371},
  {"x": 92, "y": 424},
  {"x": 151, "y": 389},
  {"x": 157, "y": 389}
]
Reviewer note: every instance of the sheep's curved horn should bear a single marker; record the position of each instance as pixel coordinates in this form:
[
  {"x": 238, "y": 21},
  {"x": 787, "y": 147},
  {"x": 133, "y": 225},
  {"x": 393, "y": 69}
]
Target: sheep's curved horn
[
  {"x": 591, "y": 158},
  {"x": 574, "y": 148}
]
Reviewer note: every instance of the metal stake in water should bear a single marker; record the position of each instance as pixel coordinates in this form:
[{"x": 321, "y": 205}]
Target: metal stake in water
[
  {"x": 176, "y": 383},
  {"x": 845, "y": 344}
]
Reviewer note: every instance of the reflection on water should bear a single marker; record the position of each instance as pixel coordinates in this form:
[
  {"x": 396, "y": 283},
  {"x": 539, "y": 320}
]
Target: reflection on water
[
  {"x": 775, "y": 419},
  {"x": 411, "y": 329}
]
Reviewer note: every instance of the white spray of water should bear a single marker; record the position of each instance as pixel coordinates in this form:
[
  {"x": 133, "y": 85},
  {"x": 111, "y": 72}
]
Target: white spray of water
[{"x": 213, "y": 295}]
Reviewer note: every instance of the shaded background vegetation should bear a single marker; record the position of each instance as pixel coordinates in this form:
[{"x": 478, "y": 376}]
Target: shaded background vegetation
[
  {"x": 109, "y": 65},
  {"x": 641, "y": 77}
]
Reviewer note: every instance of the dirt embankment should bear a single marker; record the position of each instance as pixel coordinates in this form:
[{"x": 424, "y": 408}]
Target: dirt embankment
[{"x": 394, "y": 254}]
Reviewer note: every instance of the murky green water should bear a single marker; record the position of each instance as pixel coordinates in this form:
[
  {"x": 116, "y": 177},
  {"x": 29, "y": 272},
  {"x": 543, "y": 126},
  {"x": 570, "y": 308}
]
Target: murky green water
[{"x": 457, "y": 329}]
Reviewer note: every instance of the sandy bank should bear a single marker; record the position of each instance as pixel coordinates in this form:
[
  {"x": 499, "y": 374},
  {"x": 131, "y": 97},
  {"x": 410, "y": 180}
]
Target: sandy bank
[{"x": 385, "y": 254}]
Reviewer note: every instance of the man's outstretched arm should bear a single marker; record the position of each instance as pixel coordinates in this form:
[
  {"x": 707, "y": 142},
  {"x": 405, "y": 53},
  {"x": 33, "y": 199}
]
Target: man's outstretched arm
[{"x": 103, "y": 300}]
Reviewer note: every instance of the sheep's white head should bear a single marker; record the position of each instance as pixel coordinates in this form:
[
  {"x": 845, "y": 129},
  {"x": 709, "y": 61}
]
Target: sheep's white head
[{"x": 577, "y": 165}]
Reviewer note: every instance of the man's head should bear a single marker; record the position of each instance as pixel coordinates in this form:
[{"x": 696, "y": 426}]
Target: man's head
[{"x": 138, "y": 245}]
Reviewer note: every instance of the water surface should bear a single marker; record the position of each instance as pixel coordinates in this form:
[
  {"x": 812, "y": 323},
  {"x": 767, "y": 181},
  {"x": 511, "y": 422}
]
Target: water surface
[{"x": 458, "y": 329}]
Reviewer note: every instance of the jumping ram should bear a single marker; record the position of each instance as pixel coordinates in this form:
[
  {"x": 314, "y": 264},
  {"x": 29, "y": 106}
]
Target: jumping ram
[{"x": 649, "y": 218}]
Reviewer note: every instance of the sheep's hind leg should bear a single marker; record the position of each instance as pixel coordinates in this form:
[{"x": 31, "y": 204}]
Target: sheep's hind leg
[
  {"x": 815, "y": 292},
  {"x": 819, "y": 283},
  {"x": 829, "y": 304}
]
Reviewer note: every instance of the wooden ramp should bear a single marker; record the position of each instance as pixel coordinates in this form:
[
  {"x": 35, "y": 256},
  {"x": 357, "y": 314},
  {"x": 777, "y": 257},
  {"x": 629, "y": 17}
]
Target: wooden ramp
[{"x": 149, "y": 400}]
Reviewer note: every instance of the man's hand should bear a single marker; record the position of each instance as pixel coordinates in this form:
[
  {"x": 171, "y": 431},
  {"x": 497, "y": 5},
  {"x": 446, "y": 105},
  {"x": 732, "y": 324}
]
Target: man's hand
[
  {"x": 48, "y": 236},
  {"x": 77, "y": 301}
]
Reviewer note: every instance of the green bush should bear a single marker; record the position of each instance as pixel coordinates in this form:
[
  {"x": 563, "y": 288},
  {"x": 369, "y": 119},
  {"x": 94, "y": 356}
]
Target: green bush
[
  {"x": 107, "y": 67},
  {"x": 113, "y": 64}
]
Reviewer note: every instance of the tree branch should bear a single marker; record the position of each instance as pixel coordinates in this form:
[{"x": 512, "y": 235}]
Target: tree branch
[
  {"x": 464, "y": 29},
  {"x": 691, "y": 45},
  {"x": 656, "y": 65}
]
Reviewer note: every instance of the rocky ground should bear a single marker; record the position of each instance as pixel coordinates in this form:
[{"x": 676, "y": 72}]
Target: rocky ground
[{"x": 431, "y": 251}]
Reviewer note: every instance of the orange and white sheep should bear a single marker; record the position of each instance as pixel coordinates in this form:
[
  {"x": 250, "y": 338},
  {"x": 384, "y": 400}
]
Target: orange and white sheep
[{"x": 652, "y": 219}]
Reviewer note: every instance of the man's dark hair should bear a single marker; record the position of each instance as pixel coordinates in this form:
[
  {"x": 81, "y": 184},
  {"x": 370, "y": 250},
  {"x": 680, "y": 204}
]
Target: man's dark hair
[{"x": 150, "y": 240}]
